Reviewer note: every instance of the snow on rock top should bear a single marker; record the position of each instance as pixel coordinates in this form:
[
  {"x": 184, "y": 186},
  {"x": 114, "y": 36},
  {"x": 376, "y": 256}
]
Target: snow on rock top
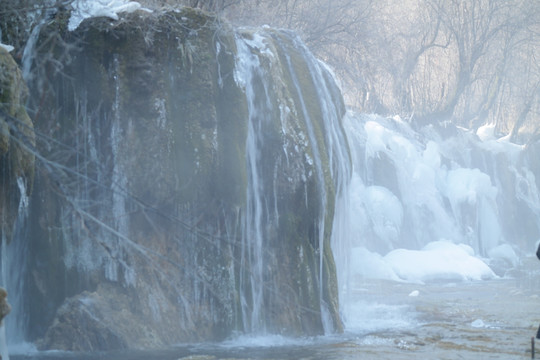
[
  {"x": 84, "y": 9},
  {"x": 8, "y": 48},
  {"x": 486, "y": 132},
  {"x": 491, "y": 142}
]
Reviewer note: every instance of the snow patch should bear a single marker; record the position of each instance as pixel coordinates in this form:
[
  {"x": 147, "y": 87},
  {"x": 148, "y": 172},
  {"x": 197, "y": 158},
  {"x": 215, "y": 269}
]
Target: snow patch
[
  {"x": 8, "y": 48},
  {"x": 371, "y": 265},
  {"x": 437, "y": 261},
  {"x": 85, "y": 9},
  {"x": 486, "y": 132},
  {"x": 490, "y": 142}
]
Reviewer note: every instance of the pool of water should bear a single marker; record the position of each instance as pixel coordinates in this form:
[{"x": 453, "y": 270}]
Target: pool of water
[{"x": 388, "y": 320}]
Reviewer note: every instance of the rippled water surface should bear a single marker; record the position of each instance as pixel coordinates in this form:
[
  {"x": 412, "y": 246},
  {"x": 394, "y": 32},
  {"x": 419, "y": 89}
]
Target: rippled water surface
[{"x": 480, "y": 320}]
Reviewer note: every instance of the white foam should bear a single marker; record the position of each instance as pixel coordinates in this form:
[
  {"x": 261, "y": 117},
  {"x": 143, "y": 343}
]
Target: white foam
[
  {"x": 366, "y": 317},
  {"x": 478, "y": 323},
  {"x": 263, "y": 341}
]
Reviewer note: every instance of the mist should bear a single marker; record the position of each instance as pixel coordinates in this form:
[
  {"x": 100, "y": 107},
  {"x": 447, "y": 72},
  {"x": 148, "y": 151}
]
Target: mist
[{"x": 272, "y": 179}]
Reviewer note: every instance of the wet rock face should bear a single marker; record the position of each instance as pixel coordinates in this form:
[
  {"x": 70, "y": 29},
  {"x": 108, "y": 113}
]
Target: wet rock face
[
  {"x": 176, "y": 222},
  {"x": 16, "y": 141},
  {"x": 79, "y": 326},
  {"x": 5, "y": 308}
]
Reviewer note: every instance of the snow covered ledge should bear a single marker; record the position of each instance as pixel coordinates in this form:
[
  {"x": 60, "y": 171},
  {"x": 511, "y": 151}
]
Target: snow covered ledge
[
  {"x": 84, "y": 9},
  {"x": 438, "y": 261}
]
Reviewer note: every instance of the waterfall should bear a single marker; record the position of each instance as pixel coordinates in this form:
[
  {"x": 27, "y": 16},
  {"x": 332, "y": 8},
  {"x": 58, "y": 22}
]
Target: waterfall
[
  {"x": 249, "y": 75},
  {"x": 321, "y": 181},
  {"x": 119, "y": 182},
  {"x": 203, "y": 186},
  {"x": 328, "y": 147},
  {"x": 340, "y": 167},
  {"x": 329, "y": 97}
]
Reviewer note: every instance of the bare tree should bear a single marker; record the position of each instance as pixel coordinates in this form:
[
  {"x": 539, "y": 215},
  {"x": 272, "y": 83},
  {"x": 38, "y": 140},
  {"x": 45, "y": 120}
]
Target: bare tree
[
  {"x": 464, "y": 61},
  {"x": 482, "y": 33}
]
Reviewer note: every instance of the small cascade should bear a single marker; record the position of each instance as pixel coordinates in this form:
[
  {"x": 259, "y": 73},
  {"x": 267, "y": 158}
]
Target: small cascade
[
  {"x": 343, "y": 229},
  {"x": 29, "y": 52},
  {"x": 118, "y": 188},
  {"x": 13, "y": 272}
]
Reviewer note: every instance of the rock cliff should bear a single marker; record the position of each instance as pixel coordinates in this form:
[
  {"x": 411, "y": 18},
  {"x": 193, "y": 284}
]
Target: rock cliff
[
  {"x": 187, "y": 185},
  {"x": 16, "y": 143}
]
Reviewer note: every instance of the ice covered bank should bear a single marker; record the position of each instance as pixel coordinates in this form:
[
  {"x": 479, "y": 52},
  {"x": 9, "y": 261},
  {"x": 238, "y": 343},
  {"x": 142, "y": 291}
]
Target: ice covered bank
[
  {"x": 438, "y": 202},
  {"x": 186, "y": 184}
]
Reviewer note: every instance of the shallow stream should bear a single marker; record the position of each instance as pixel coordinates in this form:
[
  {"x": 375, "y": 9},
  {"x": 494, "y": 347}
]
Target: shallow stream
[{"x": 388, "y": 320}]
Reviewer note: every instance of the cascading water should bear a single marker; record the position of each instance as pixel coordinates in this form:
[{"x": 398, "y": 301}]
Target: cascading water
[
  {"x": 340, "y": 168},
  {"x": 3, "y": 343},
  {"x": 321, "y": 182},
  {"x": 328, "y": 146},
  {"x": 29, "y": 51},
  {"x": 249, "y": 75},
  {"x": 37, "y": 17}
]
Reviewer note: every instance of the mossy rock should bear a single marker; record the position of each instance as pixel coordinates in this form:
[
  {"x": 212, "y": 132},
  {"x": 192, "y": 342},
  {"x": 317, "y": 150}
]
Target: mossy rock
[
  {"x": 17, "y": 140},
  {"x": 159, "y": 104}
]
